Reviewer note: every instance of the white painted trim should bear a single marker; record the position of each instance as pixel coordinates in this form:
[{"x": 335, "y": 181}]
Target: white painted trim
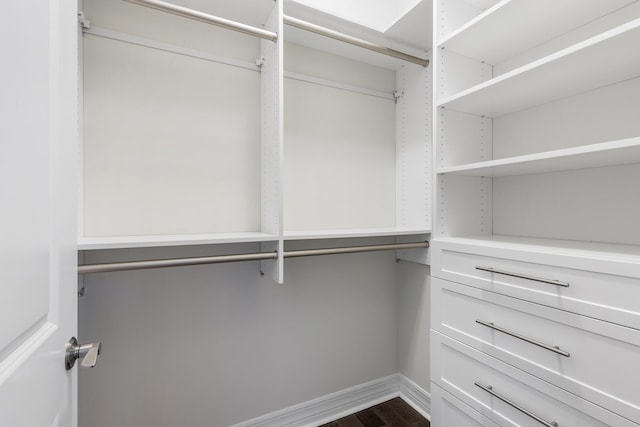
[
  {"x": 342, "y": 403},
  {"x": 417, "y": 397},
  {"x": 24, "y": 347},
  {"x": 330, "y": 407}
]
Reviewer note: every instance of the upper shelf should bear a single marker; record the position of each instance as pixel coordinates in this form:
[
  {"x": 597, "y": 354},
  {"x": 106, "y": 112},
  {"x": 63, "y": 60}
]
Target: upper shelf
[
  {"x": 607, "y": 58},
  {"x": 514, "y": 26},
  {"x": 610, "y": 153}
]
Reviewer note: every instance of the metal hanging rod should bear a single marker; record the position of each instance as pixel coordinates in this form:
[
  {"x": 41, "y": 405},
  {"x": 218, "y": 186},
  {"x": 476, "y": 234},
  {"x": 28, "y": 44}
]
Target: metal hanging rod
[
  {"x": 303, "y": 25},
  {"x": 174, "y": 262},
  {"x": 354, "y": 249},
  {"x": 206, "y": 18},
  {"x": 180, "y": 262}
]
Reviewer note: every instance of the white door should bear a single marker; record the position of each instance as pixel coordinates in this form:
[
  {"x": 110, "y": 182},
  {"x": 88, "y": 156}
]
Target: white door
[{"x": 38, "y": 134}]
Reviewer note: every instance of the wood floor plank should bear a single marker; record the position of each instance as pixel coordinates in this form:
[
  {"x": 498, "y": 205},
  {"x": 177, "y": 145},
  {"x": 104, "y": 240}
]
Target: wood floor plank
[
  {"x": 350, "y": 421},
  {"x": 369, "y": 418},
  {"x": 392, "y": 413},
  {"x": 410, "y": 415},
  {"x": 388, "y": 414}
]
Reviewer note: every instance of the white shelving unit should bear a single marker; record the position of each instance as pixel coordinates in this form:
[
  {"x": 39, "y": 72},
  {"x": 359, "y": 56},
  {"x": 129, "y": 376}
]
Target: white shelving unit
[
  {"x": 537, "y": 160},
  {"x": 239, "y": 183},
  {"x": 510, "y": 27},
  {"x": 563, "y": 74},
  {"x": 139, "y": 188},
  {"x": 554, "y": 118}
]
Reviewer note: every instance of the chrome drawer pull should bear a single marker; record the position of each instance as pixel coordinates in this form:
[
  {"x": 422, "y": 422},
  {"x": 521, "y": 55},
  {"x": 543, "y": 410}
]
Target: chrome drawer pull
[
  {"x": 522, "y": 276},
  {"x": 489, "y": 390},
  {"x": 555, "y": 349}
]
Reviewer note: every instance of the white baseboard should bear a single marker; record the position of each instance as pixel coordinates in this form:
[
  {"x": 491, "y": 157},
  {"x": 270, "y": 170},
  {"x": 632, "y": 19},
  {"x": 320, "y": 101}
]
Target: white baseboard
[
  {"x": 342, "y": 403},
  {"x": 416, "y": 396}
]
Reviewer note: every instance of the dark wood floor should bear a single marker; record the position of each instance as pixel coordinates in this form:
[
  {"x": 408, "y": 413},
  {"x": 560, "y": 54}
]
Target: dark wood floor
[{"x": 393, "y": 413}]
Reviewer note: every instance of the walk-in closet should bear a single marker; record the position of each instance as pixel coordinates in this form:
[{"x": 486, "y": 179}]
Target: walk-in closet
[
  {"x": 202, "y": 141},
  {"x": 303, "y": 213}
]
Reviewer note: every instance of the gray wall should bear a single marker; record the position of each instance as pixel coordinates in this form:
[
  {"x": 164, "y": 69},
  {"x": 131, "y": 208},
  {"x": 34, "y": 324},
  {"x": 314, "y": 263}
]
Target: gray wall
[
  {"x": 217, "y": 345},
  {"x": 414, "y": 299}
]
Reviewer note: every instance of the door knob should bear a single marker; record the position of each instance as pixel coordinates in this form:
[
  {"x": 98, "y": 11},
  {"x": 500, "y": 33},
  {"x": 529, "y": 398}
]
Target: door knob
[{"x": 88, "y": 353}]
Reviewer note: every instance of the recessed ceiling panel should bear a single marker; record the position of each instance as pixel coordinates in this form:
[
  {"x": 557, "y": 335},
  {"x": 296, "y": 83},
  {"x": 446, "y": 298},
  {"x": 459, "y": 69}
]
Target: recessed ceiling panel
[{"x": 378, "y": 15}]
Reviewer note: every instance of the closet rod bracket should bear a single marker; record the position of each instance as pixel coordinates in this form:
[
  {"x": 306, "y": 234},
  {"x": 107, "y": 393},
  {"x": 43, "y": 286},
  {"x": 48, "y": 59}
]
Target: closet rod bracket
[
  {"x": 83, "y": 21},
  {"x": 397, "y": 95}
]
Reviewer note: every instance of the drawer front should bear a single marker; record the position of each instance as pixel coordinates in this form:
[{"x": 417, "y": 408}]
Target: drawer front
[
  {"x": 582, "y": 355},
  {"x": 507, "y": 395},
  {"x": 448, "y": 411},
  {"x": 603, "y": 296}
]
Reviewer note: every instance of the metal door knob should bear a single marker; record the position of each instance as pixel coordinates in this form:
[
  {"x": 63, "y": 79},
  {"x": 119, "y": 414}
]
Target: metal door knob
[{"x": 88, "y": 353}]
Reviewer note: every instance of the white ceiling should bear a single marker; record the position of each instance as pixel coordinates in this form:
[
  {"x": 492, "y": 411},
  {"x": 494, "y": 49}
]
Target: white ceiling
[
  {"x": 408, "y": 23},
  {"x": 378, "y": 15}
]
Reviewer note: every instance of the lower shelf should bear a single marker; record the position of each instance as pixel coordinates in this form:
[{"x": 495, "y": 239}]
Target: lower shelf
[
  {"x": 124, "y": 242},
  {"x": 353, "y": 233}
]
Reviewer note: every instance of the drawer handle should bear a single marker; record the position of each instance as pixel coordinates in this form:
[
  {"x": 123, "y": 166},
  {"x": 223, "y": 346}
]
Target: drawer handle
[
  {"x": 522, "y": 276},
  {"x": 489, "y": 390},
  {"x": 555, "y": 349}
]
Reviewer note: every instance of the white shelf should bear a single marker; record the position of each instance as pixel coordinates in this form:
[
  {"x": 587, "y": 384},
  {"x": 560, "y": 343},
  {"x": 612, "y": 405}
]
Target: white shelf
[
  {"x": 123, "y": 242},
  {"x": 514, "y": 26},
  {"x": 607, "y": 58},
  {"x": 352, "y": 233},
  {"x": 610, "y": 153},
  {"x": 128, "y": 242}
]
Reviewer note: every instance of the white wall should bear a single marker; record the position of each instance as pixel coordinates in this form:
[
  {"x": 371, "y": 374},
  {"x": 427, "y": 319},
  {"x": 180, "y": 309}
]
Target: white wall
[
  {"x": 166, "y": 137},
  {"x": 339, "y": 145},
  {"x": 216, "y": 345}
]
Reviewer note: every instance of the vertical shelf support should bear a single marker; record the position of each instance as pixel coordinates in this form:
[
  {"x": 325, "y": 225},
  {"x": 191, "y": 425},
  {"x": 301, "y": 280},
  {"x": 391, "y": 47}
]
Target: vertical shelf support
[
  {"x": 413, "y": 155},
  {"x": 272, "y": 99}
]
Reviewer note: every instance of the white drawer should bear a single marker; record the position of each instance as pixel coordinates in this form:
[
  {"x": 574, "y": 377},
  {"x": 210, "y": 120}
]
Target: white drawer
[
  {"x": 544, "y": 277},
  {"x": 462, "y": 371},
  {"x": 594, "y": 359},
  {"x": 449, "y": 411}
]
